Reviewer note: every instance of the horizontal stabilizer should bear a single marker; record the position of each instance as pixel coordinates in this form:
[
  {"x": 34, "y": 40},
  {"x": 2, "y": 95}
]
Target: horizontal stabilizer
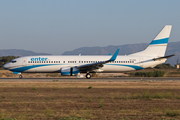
[{"x": 164, "y": 57}]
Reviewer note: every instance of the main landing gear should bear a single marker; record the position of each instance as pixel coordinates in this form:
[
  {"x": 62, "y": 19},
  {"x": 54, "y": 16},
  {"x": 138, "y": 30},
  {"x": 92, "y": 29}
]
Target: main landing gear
[
  {"x": 20, "y": 76},
  {"x": 88, "y": 75}
]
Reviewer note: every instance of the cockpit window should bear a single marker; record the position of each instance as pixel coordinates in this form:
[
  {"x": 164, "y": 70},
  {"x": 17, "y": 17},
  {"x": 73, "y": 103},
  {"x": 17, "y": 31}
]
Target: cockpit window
[{"x": 13, "y": 61}]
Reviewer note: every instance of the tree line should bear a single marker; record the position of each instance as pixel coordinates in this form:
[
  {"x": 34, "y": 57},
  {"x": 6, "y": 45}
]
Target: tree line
[{"x": 6, "y": 59}]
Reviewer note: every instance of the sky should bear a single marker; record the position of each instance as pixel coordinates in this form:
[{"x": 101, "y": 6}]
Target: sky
[{"x": 56, "y": 26}]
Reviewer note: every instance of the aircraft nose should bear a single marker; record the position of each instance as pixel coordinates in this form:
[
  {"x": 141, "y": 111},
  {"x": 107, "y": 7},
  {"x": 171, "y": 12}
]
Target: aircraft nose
[{"x": 6, "y": 66}]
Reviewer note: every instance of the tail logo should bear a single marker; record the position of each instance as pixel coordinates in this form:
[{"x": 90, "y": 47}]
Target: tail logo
[{"x": 161, "y": 41}]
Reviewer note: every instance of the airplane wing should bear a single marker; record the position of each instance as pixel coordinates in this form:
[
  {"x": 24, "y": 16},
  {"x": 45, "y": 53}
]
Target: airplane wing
[{"x": 94, "y": 66}]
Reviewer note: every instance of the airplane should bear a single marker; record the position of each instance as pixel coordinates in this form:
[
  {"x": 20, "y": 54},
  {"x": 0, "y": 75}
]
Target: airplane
[{"x": 74, "y": 65}]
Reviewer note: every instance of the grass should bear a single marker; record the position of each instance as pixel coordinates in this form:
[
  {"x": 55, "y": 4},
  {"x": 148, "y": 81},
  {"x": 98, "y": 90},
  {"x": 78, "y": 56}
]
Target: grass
[
  {"x": 172, "y": 113},
  {"x": 87, "y": 114},
  {"x": 34, "y": 88},
  {"x": 101, "y": 103},
  {"x": 89, "y": 98},
  {"x": 85, "y": 107},
  {"x": 116, "y": 100},
  {"x": 150, "y": 96},
  {"x": 48, "y": 112},
  {"x": 80, "y": 95},
  {"x": 117, "y": 95},
  {"x": 3, "y": 96},
  {"x": 112, "y": 97},
  {"x": 161, "y": 95},
  {"x": 136, "y": 96},
  {"x": 99, "y": 97},
  {"x": 89, "y": 87},
  {"x": 72, "y": 118},
  {"x": 146, "y": 95},
  {"x": 55, "y": 80}
]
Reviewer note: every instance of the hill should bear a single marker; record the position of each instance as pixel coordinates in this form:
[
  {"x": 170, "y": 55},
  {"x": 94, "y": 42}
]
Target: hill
[
  {"x": 18, "y": 52},
  {"x": 173, "y": 48}
]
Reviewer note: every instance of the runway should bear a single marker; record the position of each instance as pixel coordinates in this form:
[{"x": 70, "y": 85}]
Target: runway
[{"x": 91, "y": 80}]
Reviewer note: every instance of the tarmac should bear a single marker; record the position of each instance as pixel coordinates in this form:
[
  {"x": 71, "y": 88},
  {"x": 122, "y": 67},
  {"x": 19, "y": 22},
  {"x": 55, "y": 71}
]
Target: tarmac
[{"x": 92, "y": 79}]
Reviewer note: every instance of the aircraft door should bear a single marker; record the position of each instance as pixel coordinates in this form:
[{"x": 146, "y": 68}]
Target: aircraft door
[
  {"x": 24, "y": 62},
  {"x": 141, "y": 62}
]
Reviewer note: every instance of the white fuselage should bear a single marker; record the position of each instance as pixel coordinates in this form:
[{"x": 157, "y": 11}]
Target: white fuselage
[{"x": 49, "y": 64}]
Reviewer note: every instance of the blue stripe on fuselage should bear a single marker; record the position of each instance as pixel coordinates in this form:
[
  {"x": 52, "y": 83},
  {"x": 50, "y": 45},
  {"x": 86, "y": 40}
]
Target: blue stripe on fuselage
[
  {"x": 24, "y": 68},
  {"x": 132, "y": 66}
]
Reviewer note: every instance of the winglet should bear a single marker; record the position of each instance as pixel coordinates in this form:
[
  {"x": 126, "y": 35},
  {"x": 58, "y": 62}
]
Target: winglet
[{"x": 114, "y": 56}]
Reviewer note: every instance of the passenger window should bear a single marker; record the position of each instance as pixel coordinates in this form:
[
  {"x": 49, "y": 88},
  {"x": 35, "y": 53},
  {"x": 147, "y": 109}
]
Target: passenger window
[{"x": 13, "y": 61}]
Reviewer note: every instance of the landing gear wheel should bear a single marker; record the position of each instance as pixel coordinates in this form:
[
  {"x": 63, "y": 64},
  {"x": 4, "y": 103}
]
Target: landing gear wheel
[
  {"x": 88, "y": 76},
  {"x": 20, "y": 76}
]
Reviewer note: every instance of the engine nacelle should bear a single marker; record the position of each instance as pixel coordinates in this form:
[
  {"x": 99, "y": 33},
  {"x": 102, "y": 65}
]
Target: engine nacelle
[{"x": 69, "y": 71}]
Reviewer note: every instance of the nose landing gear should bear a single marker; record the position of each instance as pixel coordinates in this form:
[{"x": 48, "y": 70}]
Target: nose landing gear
[{"x": 88, "y": 75}]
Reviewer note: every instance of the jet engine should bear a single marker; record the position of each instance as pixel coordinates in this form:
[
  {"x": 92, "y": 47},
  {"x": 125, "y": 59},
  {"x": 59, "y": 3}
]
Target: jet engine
[{"x": 69, "y": 71}]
